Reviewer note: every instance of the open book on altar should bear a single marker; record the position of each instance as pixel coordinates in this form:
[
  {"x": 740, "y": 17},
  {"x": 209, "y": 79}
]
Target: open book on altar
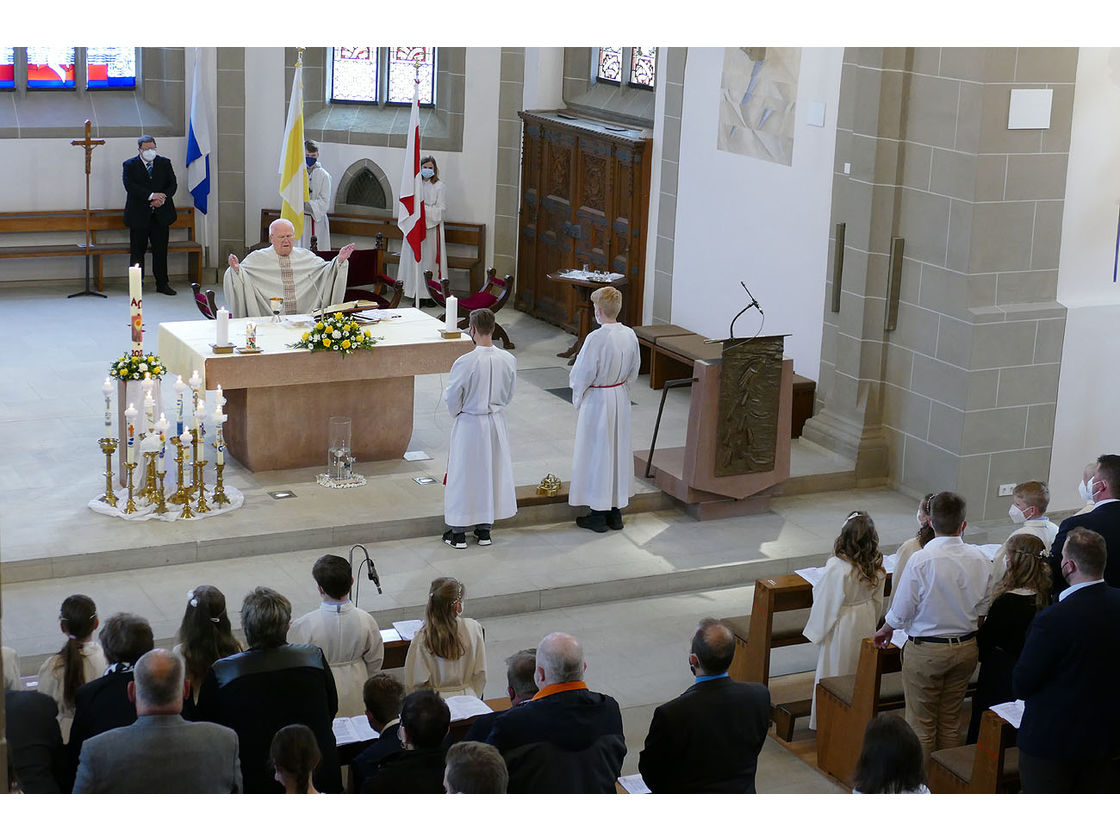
[{"x": 348, "y": 307}]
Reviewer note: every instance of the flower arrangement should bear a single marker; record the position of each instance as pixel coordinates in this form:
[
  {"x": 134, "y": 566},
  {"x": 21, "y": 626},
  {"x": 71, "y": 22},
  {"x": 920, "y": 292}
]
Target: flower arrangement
[
  {"x": 337, "y": 333},
  {"x": 129, "y": 367}
]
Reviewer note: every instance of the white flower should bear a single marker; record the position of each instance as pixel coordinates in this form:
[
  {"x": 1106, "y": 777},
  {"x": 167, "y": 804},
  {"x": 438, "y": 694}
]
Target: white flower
[
  {"x": 143, "y": 366},
  {"x": 336, "y": 334},
  {"x": 136, "y": 376}
]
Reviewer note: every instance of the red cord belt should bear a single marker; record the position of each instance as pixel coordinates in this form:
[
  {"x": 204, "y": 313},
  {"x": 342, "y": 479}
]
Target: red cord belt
[{"x": 615, "y": 385}]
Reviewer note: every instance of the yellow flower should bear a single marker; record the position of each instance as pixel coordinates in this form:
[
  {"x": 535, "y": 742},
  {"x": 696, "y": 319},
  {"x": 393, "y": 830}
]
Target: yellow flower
[
  {"x": 157, "y": 370},
  {"x": 345, "y": 344},
  {"x": 326, "y": 342},
  {"x": 151, "y": 360},
  {"x": 366, "y": 333},
  {"x": 306, "y": 337}
]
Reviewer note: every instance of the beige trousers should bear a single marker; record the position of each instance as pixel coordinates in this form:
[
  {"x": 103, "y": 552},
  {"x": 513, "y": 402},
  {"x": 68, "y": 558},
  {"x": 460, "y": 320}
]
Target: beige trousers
[{"x": 934, "y": 681}]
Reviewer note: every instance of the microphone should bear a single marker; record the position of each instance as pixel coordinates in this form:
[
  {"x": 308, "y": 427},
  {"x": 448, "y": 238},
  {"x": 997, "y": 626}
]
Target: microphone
[
  {"x": 754, "y": 302},
  {"x": 368, "y": 561},
  {"x": 373, "y": 576}
]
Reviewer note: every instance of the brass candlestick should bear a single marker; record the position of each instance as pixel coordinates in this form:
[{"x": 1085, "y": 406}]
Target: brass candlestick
[
  {"x": 130, "y": 505},
  {"x": 201, "y": 506},
  {"x": 108, "y": 446},
  {"x": 180, "y": 495},
  {"x": 160, "y": 499},
  {"x": 219, "y": 498},
  {"x": 148, "y": 490}
]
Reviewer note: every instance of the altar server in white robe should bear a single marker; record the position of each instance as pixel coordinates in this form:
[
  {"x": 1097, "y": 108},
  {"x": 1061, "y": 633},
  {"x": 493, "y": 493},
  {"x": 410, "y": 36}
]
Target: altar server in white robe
[
  {"x": 315, "y": 221},
  {"x": 303, "y": 280},
  {"x": 602, "y": 461},
  {"x": 480, "y": 487},
  {"x": 847, "y": 601},
  {"x": 448, "y": 653},
  {"x": 348, "y": 636},
  {"x": 433, "y": 250}
]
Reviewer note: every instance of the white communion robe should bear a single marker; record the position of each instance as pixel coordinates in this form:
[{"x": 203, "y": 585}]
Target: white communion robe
[
  {"x": 351, "y": 641},
  {"x": 319, "y": 183},
  {"x": 845, "y": 611},
  {"x": 480, "y": 487},
  {"x": 602, "y": 460},
  {"x": 410, "y": 272},
  {"x": 450, "y": 677},
  {"x": 307, "y": 282},
  {"x": 94, "y": 664},
  {"x": 1041, "y": 527}
]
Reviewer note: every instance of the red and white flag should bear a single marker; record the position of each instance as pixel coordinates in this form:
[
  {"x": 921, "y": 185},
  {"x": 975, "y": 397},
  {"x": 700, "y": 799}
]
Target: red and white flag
[{"x": 410, "y": 207}]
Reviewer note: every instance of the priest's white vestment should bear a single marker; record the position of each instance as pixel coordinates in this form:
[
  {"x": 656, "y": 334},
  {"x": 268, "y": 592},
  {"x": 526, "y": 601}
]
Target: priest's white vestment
[
  {"x": 602, "y": 460},
  {"x": 315, "y": 209},
  {"x": 480, "y": 487},
  {"x": 306, "y": 282},
  {"x": 352, "y": 643},
  {"x": 410, "y": 272}
]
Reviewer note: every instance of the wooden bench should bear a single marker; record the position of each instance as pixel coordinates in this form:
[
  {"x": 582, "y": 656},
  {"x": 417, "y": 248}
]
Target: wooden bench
[
  {"x": 991, "y": 765},
  {"x": 72, "y": 224},
  {"x": 466, "y": 241}
]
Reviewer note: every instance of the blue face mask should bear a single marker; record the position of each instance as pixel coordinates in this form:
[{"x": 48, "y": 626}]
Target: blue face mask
[
  {"x": 427, "y": 173},
  {"x": 311, "y": 161}
]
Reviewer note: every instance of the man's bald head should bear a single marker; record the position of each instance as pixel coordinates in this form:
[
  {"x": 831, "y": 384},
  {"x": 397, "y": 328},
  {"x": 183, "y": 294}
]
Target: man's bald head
[
  {"x": 559, "y": 659},
  {"x": 159, "y": 685},
  {"x": 713, "y": 646},
  {"x": 282, "y": 236}
]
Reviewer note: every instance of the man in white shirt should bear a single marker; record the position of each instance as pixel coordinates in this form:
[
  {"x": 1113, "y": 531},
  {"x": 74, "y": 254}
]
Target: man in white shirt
[
  {"x": 940, "y": 599},
  {"x": 1028, "y": 510}
]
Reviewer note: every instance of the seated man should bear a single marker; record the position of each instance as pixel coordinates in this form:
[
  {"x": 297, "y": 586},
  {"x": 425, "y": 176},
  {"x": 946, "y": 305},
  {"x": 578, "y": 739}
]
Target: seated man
[
  {"x": 383, "y": 695},
  {"x": 304, "y": 280},
  {"x": 475, "y": 768},
  {"x": 521, "y": 668},
  {"x": 418, "y": 767},
  {"x": 160, "y": 752},
  {"x": 568, "y": 739},
  {"x": 708, "y": 739}
]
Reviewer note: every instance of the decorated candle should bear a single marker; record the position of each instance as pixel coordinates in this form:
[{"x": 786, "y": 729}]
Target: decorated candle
[
  {"x": 135, "y": 313},
  {"x": 220, "y": 400},
  {"x": 161, "y": 427},
  {"x": 107, "y": 389},
  {"x": 219, "y": 440},
  {"x": 223, "y": 327},
  {"x": 195, "y": 382},
  {"x": 200, "y": 418},
  {"x": 130, "y": 421},
  {"x": 186, "y": 438},
  {"x": 180, "y": 387},
  {"x": 451, "y": 305},
  {"x": 251, "y": 336}
]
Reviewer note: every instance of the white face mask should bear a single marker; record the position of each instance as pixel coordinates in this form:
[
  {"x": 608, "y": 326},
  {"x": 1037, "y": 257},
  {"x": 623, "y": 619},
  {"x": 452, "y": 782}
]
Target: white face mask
[
  {"x": 1085, "y": 491},
  {"x": 1017, "y": 516},
  {"x": 148, "y": 155}
]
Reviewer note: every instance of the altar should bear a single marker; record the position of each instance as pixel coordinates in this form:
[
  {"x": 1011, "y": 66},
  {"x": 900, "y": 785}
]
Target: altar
[{"x": 279, "y": 400}]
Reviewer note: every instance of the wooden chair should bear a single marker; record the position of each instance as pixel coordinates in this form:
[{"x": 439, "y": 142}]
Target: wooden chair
[
  {"x": 991, "y": 765},
  {"x": 492, "y": 296},
  {"x": 204, "y": 301},
  {"x": 365, "y": 280}
]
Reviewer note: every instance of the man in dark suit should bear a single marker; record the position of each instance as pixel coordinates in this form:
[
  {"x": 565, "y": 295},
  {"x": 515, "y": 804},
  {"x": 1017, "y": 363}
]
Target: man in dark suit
[
  {"x": 567, "y": 739},
  {"x": 160, "y": 752},
  {"x": 34, "y": 741},
  {"x": 383, "y": 696},
  {"x": 708, "y": 739},
  {"x": 1069, "y": 740},
  {"x": 149, "y": 211},
  {"x": 1104, "y": 518},
  {"x": 418, "y": 767},
  {"x": 520, "y": 686}
]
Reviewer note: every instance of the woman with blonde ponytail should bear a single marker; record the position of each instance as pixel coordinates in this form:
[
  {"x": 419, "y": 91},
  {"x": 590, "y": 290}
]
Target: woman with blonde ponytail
[
  {"x": 448, "y": 654},
  {"x": 80, "y": 660}
]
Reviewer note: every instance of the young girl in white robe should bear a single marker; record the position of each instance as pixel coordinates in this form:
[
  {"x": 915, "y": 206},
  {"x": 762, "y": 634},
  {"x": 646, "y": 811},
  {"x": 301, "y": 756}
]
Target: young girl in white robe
[
  {"x": 847, "y": 601},
  {"x": 447, "y": 654}
]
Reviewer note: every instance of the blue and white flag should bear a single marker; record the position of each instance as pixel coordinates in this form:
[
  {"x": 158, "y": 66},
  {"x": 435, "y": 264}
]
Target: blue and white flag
[{"x": 198, "y": 142}]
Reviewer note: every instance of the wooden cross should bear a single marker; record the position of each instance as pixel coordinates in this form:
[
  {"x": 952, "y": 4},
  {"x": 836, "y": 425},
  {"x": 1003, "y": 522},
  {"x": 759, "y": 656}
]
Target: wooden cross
[{"x": 89, "y": 143}]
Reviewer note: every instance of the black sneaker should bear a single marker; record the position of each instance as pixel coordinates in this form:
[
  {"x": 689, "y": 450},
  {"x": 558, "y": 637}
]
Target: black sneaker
[
  {"x": 483, "y": 537},
  {"x": 455, "y": 540},
  {"x": 614, "y": 519},
  {"x": 594, "y": 521}
]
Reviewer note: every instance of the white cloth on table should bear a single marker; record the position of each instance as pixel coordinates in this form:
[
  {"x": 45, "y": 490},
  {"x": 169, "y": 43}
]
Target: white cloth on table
[
  {"x": 94, "y": 664},
  {"x": 351, "y": 641},
  {"x": 410, "y": 272},
  {"x": 1042, "y": 528},
  {"x": 943, "y": 590},
  {"x": 465, "y": 675},
  {"x": 317, "y": 283},
  {"x": 480, "y": 487},
  {"x": 319, "y": 187},
  {"x": 845, "y": 610},
  {"x": 602, "y": 460}
]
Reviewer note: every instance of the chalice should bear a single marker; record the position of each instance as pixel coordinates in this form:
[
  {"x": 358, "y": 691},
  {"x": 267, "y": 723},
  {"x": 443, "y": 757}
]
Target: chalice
[{"x": 277, "y": 304}]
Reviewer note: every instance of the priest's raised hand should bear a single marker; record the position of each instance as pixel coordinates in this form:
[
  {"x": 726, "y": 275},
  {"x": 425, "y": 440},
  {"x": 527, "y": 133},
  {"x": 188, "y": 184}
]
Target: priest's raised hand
[{"x": 344, "y": 252}]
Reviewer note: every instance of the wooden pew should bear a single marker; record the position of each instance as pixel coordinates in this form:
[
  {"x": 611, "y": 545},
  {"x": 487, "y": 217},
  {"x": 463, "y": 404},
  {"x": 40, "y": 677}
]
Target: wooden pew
[{"x": 991, "y": 765}]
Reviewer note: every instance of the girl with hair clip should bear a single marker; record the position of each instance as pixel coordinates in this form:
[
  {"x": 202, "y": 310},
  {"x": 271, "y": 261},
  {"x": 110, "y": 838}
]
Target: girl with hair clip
[
  {"x": 847, "y": 601},
  {"x": 916, "y": 542},
  {"x": 80, "y": 660},
  {"x": 295, "y": 755},
  {"x": 205, "y": 636},
  {"x": 448, "y": 654},
  {"x": 1020, "y": 595}
]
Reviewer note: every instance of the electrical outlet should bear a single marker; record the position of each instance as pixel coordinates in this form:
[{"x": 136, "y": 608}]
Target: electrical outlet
[{"x": 1006, "y": 489}]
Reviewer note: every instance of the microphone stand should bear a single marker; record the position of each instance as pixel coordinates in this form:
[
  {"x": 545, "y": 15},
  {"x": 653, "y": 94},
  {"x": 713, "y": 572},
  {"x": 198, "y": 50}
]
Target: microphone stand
[{"x": 370, "y": 570}]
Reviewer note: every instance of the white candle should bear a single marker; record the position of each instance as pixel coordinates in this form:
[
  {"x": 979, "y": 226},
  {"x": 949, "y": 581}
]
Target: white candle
[
  {"x": 221, "y": 400},
  {"x": 186, "y": 439},
  {"x": 135, "y": 310},
  {"x": 195, "y": 382},
  {"x": 130, "y": 420},
  {"x": 219, "y": 440},
  {"x": 149, "y": 412},
  {"x": 180, "y": 387},
  {"x": 161, "y": 427},
  {"x": 223, "y": 327},
  {"x": 107, "y": 388},
  {"x": 451, "y": 306}
]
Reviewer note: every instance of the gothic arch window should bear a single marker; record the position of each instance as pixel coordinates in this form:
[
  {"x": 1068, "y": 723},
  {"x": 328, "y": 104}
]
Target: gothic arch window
[
  {"x": 364, "y": 190},
  {"x": 625, "y": 66}
]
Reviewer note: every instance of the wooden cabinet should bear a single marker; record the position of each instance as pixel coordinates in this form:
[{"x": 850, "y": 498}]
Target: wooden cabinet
[{"x": 584, "y": 201}]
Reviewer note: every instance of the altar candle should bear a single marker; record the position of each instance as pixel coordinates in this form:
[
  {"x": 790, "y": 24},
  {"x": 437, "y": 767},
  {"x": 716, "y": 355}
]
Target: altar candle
[
  {"x": 223, "y": 327},
  {"x": 135, "y": 310},
  {"x": 180, "y": 387},
  {"x": 219, "y": 440},
  {"x": 451, "y": 305},
  {"x": 107, "y": 388},
  {"x": 130, "y": 420}
]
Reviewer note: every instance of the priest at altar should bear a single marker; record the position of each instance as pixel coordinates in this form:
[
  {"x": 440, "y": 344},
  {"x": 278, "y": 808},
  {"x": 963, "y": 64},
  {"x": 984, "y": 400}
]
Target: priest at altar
[{"x": 304, "y": 280}]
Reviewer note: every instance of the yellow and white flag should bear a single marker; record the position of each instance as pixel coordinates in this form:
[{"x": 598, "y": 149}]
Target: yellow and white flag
[{"x": 293, "y": 173}]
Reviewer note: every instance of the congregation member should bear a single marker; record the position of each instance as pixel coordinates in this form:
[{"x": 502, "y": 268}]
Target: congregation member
[
  {"x": 891, "y": 758},
  {"x": 1083, "y": 491},
  {"x": 847, "y": 601},
  {"x": 917, "y": 542},
  {"x": 473, "y": 767},
  {"x": 316, "y": 222},
  {"x": 480, "y": 488},
  {"x": 1023, "y": 590},
  {"x": 1103, "y": 490},
  {"x": 602, "y": 460},
  {"x": 149, "y": 209},
  {"x": 302, "y": 279},
  {"x": 944, "y": 592},
  {"x": 521, "y": 669},
  {"x": 418, "y": 766},
  {"x": 205, "y": 636},
  {"x": 383, "y": 695},
  {"x": 1028, "y": 510},
  {"x": 160, "y": 752},
  {"x": 35, "y": 747},
  {"x": 80, "y": 661},
  {"x": 1069, "y": 739},
  {"x": 294, "y": 754},
  {"x": 448, "y": 653},
  {"x": 349, "y": 637},
  {"x": 708, "y": 739},
  {"x": 569, "y": 739},
  {"x": 272, "y": 684}
]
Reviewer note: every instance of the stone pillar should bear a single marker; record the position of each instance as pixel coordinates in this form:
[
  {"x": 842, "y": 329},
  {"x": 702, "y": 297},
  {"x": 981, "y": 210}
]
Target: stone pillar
[
  {"x": 230, "y": 100},
  {"x": 961, "y": 394}
]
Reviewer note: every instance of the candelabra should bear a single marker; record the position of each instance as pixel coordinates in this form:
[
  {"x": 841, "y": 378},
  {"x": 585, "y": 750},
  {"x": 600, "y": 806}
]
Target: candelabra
[
  {"x": 180, "y": 495},
  {"x": 109, "y": 446},
  {"x": 200, "y": 467},
  {"x": 219, "y": 497},
  {"x": 157, "y": 494},
  {"x": 130, "y": 506}
]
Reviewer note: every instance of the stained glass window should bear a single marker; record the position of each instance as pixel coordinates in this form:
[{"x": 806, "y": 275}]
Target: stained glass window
[
  {"x": 110, "y": 68},
  {"x": 406, "y": 64},
  {"x": 643, "y": 66},
  {"x": 610, "y": 64},
  {"x": 50, "y": 67},
  {"x": 7, "y": 68},
  {"x": 354, "y": 76}
]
